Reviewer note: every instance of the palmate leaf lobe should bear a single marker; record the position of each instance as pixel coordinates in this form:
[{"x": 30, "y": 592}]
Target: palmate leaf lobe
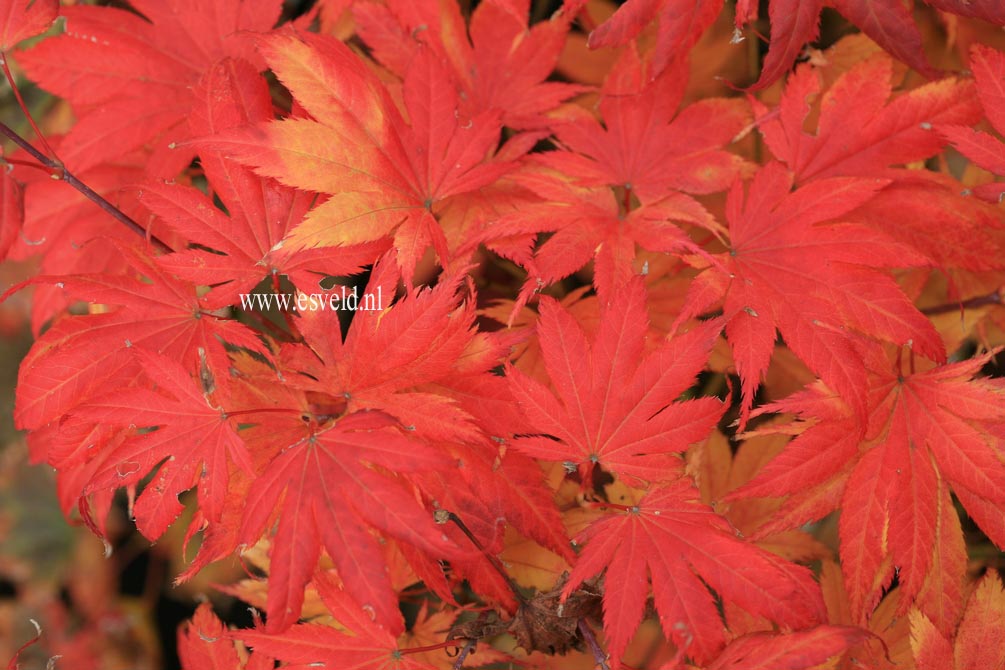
[
  {"x": 978, "y": 642},
  {"x": 421, "y": 338},
  {"x": 686, "y": 548},
  {"x": 928, "y": 432},
  {"x": 800, "y": 650},
  {"x": 860, "y": 130},
  {"x": 982, "y": 148},
  {"x": 613, "y": 404},
  {"x": 154, "y": 310},
  {"x": 361, "y": 644},
  {"x": 794, "y": 23},
  {"x": 385, "y": 177},
  {"x": 233, "y": 251},
  {"x": 327, "y": 493},
  {"x": 194, "y": 444},
  {"x": 497, "y": 60},
  {"x": 130, "y": 75},
  {"x": 21, "y": 19},
  {"x": 811, "y": 282}
]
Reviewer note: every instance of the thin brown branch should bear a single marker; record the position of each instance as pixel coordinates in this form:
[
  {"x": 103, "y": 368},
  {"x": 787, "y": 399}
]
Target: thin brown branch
[
  {"x": 468, "y": 648},
  {"x": 491, "y": 558},
  {"x": 993, "y": 298},
  {"x": 591, "y": 641},
  {"x": 59, "y": 171}
]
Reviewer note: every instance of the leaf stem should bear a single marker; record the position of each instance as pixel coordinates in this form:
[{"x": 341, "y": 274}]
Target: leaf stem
[
  {"x": 591, "y": 641},
  {"x": 24, "y": 108},
  {"x": 492, "y": 559},
  {"x": 27, "y": 164},
  {"x": 59, "y": 171},
  {"x": 468, "y": 648},
  {"x": 617, "y": 506},
  {"x": 264, "y": 410},
  {"x": 430, "y": 647},
  {"x": 993, "y": 298}
]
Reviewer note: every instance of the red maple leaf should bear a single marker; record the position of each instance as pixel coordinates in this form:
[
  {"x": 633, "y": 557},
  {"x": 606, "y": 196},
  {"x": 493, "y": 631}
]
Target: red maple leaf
[
  {"x": 327, "y": 493},
  {"x": 420, "y": 339},
  {"x": 362, "y": 644},
  {"x": 811, "y": 282},
  {"x": 384, "y": 177},
  {"x": 155, "y": 312},
  {"x": 926, "y": 431},
  {"x": 686, "y": 548},
  {"x": 129, "y": 75},
  {"x": 613, "y": 404},
  {"x": 794, "y": 23},
  {"x": 859, "y": 132},
  {"x": 650, "y": 153},
  {"x": 497, "y": 61},
  {"x": 235, "y": 250},
  {"x": 194, "y": 445},
  {"x": 646, "y": 145},
  {"x": 21, "y": 19},
  {"x": 982, "y": 148},
  {"x": 204, "y": 644}
]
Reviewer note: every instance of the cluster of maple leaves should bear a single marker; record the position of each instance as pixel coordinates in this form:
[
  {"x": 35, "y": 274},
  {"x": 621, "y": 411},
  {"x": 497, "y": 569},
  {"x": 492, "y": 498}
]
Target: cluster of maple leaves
[{"x": 548, "y": 462}]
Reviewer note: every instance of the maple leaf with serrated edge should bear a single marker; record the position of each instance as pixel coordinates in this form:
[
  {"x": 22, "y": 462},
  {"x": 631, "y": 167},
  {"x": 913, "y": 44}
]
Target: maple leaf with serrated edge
[
  {"x": 979, "y": 641},
  {"x": 926, "y": 432},
  {"x": 420, "y": 338},
  {"x": 497, "y": 61},
  {"x": 363, "y": 644},
  {"x": 683, "y": 545},
  {"x": 500, "y": 485},
  {"x": 235, "y": 250},
  {"x": 157, "y": 312},
  {"x": 21, "y": 19},
  {"x": 981, "y": 148},
  {"x": 129, "y": 76},
  {"x": 328, "y": 494},
  {"x": 681, "y": 23},
  {"x": 646, "y": 145},
  {"x": 589, "y": 224},
  {"x": 800, "y": 650},
  {"x": 384, "y": 178},
  {"x": 858, "y": 133},
  {"x": 194, "y": 445},
  {"x": 204, "y": 644},
  {"x": 794, "y": 23},
  {"x": 811, "y": 282},
  {"x": 613, "y": 405}
]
